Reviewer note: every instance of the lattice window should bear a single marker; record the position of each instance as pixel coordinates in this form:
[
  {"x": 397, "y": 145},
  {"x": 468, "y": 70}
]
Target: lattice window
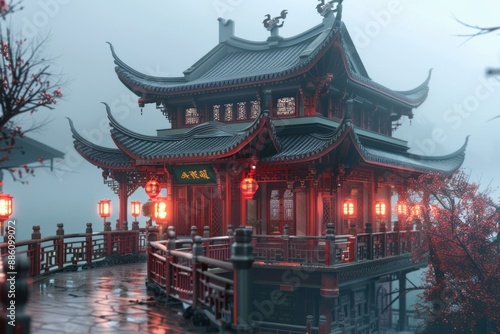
[
  {"x": 288, "y": 205},
  {"x": 192, "y": 116},
  {"x": 228, "y": 112},
  {"x": 242, "y": 111},
  {"x": 255, "y": 109},
  {"x": 327, "y": 213},
  {"x": 285, "y": 106},
  {"x": 217, "y": 217},
  {"x": 216, "y": 112},
  {"x": 275, "y": 205}
]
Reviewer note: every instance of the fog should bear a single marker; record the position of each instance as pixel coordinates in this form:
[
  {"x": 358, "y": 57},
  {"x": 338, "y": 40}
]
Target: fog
[{"x": 398, "y": 41}]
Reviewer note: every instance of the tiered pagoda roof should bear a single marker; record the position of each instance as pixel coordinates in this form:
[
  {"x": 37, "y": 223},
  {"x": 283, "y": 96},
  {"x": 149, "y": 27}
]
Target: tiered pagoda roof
[
  {"x": 236, "y": 62},
  {"x": 214, "y": 140}
]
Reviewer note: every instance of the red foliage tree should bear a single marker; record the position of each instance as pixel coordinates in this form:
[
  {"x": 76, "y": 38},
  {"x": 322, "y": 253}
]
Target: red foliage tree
[{"x": 462, "y": 288}]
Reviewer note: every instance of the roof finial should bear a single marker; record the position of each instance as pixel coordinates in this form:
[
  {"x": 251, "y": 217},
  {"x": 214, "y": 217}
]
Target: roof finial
[
  {"x": 326, "y": 9},
  {"x": 271, "y": 24}
]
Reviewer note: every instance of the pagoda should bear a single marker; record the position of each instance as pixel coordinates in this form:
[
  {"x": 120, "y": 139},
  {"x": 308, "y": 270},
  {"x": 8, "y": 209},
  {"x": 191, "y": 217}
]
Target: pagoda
[
  {"x": 299, "y": 116},
  {"x": 286, "y": 136}
]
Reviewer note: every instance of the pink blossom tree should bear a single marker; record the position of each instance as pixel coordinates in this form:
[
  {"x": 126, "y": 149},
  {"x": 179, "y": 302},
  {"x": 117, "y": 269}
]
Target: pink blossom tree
[{"x": 27, "y": 84}]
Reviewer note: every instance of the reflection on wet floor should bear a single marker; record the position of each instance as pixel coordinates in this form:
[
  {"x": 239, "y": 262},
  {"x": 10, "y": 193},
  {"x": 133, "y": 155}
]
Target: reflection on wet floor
[{"x": 103, "y": 300}]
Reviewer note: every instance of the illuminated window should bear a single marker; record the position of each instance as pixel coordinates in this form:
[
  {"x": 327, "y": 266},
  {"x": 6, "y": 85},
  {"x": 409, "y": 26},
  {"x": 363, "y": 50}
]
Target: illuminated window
[
  {"x": 242, "y": 111},
  {"x": 216, "y": 112},
  {"x": 192, "y": 116},
  {"x": 228, "y": 112},
  {"x": 255, "y": 109},
  {"x": 285, "y": 106}
]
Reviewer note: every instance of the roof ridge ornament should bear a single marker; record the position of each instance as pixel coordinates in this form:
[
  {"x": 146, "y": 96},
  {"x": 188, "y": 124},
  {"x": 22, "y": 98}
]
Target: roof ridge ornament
[
  {"x": 272, "y": 24},
  {"x": 328, "y": 8}
]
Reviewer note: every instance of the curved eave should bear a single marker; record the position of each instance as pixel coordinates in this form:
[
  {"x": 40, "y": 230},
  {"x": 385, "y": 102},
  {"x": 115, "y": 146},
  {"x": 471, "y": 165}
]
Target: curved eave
[
  {"x": 314, "y": 146},
  {"x": 98, "y": 155},
  {"x": 446, "y": 164},
  {"x": 151, "y": 149},
  {"x": 411, "y": 98},
  {"x": 145, "y": 85}
]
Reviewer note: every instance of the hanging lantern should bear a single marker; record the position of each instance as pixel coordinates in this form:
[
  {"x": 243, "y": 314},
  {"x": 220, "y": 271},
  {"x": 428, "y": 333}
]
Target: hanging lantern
[
  {"x": 402, "y": 208},
  {"x": 152, "y": 189},
  {"x": 416, "y": 211},
  {"x": 349, "y": 207},
  {"x": 135, "y": 208},
  {"x": 5, "y": 206},
  {"x": 380, "y": 208},
  {"x": 160, "y": 210},
  {"x": 248, "y": 187},
  {"x": 104, "y": 208}
]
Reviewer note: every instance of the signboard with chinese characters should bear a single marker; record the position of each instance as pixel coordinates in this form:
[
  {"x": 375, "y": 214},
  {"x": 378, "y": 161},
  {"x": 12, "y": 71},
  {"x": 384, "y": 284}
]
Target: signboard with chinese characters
[{"x": 194, "y": 174}]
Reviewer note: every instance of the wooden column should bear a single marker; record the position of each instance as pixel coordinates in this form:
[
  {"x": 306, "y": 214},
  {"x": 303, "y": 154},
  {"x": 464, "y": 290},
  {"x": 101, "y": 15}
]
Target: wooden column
[
  {"x": 264, "y": 205},
  {"x": 329, "y": 292},
  {"x": 311, "y": 210},
  {"x": 402, "y": 323},
  {"x": 123, "y": 198},
  {"x": 227, "y": 211}
]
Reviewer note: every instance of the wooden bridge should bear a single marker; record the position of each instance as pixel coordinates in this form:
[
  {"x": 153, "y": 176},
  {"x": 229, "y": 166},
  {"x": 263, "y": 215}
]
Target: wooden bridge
[{"x": 242, "y": 281}]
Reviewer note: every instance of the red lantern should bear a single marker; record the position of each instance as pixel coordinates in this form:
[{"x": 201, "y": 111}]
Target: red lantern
[
  {"x": 401, "y": 207},
  {"x": 349, "y": 207},
  {"x": 5, "y": 206},
  {"x": 135, "y": 208},
  {"x": 152, "y": 189},
  {"x": 380, "y": 208},
  {"x": 104, "y": 208},
  {"x": 160, "y": 210},
  {"x": 248, "y": 187}
]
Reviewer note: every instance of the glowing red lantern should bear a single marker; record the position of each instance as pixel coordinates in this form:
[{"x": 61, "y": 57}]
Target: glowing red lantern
[
  {"x": 104, "y": 208},
  {"x": 402, "y": 208},
  {"x": 160, "y": 210},
  {"x": 380, "y": 208},
  {"x": 5, "y": 206},
  {"x": 248, "y": 187},
  {"x": 349, "y": 208},
  {"x": 152, "y": 189},
  {"x": 135, "y": 208}
]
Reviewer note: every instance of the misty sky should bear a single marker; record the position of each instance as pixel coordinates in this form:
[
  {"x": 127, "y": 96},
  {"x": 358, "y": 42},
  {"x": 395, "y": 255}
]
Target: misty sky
[{"x": 398, "y": 41}]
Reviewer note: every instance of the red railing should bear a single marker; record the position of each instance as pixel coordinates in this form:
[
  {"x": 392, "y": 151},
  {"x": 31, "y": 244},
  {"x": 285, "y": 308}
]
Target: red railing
[
  {"x": 62, "y": 250},
  {"x": 328, "y": 250}
]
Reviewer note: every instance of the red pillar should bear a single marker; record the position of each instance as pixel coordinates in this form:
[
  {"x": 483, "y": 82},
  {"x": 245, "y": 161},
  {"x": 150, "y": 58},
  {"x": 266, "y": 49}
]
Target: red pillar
[
  {"x": 123, "y": 197},
  {"x": 328, "y": 292},
  {"x": 311, "y": 210}
]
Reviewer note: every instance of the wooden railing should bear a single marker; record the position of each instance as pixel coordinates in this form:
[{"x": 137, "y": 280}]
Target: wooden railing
[
  {"x": 331, "y": 249},
  {"x": 63, "y": 250},
  {"x": 200, "y": 271}
]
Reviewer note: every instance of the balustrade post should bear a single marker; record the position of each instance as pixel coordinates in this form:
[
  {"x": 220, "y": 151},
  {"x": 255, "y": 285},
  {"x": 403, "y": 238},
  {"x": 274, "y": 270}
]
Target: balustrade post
[
  {"x": 352, "y": 249},
  {"x": 34, "y": 251},
  {"x": 353, "y": 230},
  {"x": 6, "y": 236},
  {"x": 396, "y": 228},
  {"x": 230, "y": 231},
  {"x": 170, "y": 259},
  {"x": 383, "y": 239},
  {"x": 286, "y": 243},
  {"x": 309, "y": 322},
  {"x": 107, "y": 226},
  {"x": 369, "y": 246},
  {"x": 330, "y": 249},
  {"x": 206, "y": 241},
  {"x": 59, "y": 246},
  {"x": 242, "y": 259},
  {"x": 135, "y": 225},
  {"x": 14, "y": 320},
  {"x": 88, "y": 240},
  {"x": 197, "y": 250},
  {"x": 108, "y": 237},
  {"x": 322, "y": 325},
  {"x": 194, "y": 231},
  {"x": 125, "y": 225}
]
